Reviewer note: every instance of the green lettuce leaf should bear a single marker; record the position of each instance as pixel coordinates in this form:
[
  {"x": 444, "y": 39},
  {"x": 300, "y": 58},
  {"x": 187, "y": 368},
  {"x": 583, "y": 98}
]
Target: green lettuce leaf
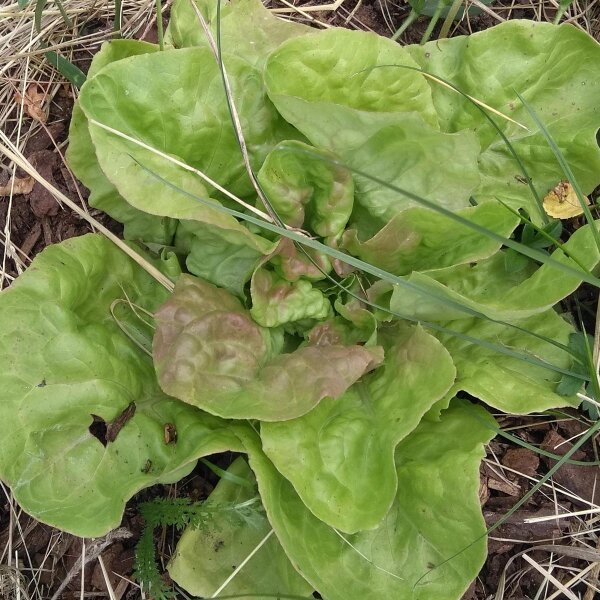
[
  {"x": 338, "y": 66},
  {"x": 69, "y": 370},
  {"x": 419, "y": 239},
  {"x": 341, "y": 451},
  {"x": 436, "y": 516},
  {"x": 370, "y": 117},
  {"x": 294, "y": 263},
  {"x": 204, "y": 559},
  {"x": 507, "y": 383},
  {"x": 194, "y": 127},
  {"x": 492, "y": 288},
  {"x": 210, "y": 353},
  {"x": 81, "y": 157},
  {"x": 307, "y": 191},
  {"x": 555, "y": 68},
  {"x": 277, "y": 302},
  {"x": 248, "y": 29},
  {"x": 223, "y": 260}
]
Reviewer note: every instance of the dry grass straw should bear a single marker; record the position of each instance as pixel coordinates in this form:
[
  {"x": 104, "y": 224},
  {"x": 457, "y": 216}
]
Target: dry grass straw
[
  {"x": 581, "y": 541},
  {"x": 584, "y": 14},
  {"x": 23, "y": 64}
]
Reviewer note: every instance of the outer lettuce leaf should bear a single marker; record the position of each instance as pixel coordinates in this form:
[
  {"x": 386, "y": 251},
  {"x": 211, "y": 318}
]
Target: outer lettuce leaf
[
  {"x": 210, "y": 353},
  {"x": 512, "y": 385},
  {"x": 66, "y": 359},
  {"x": 436, "y": 515},
  {"x": 370, "y": 117},
  {"x": 277, "y": 302},
  {"x": 556, "y": 70},
  {"x": 419, "y": 239},
  {"x": 248, "y": 29},
  {"x": 338, "y": 66},
  {"x": 341, "y": 451},
  {"x": 493, "y": 289},
  {"x": 81, "y": 157},
  {"x": 203, "y": 559},
  {"x": 306, "y": 190},
  {"x": 193, "y": 125},
  {"x": 437, "y": 166}
]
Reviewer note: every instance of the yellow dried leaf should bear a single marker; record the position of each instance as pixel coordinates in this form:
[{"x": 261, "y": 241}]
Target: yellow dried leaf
[
  {"x": 22, "y": 185},
  {"x": 561, "y": 202}
]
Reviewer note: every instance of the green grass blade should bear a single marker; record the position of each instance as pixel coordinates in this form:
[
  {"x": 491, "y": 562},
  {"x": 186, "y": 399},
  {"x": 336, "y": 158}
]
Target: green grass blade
[
  {"x": 159, "y": 25},
  {"x": 39, "y": 11},
  {"x": 454, "y": 8},
  {"x": 226, "y": 474},
  {"x": 546, "y": 235},
  {"x": 63, "y": 13},
  {"x": 66, "y": 68},
  {"x": 413, "y": 15},
  {"x": 117, "y": 25}
]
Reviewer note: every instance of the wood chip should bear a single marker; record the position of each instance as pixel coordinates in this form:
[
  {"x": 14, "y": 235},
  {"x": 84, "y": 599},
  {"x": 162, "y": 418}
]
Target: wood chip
[
  {"x": 522, "y": 460},
  {"x": 511, "y": 489}
]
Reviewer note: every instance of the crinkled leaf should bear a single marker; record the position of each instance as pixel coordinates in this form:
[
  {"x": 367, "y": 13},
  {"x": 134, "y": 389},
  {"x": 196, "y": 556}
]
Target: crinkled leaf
[
  {"x": 65, "y": 359},
  {"x": 306, "y": 190},
  {"x": 436, "y": 515},
  {"x": 81, "y": 157},
  {"x": 507, "y": 383},
  {"x": 336, "y": 66},
  {"x": 341, "y": 451},
  {"x": 215, "y": 258},
  {"x": 277, "y": 302},
  {"x": 494, "y": 289},
  {"x": 190, "y": 123},
  {"x": 362, "y": 322},
  {"x": 248, "y": 29},
  {"x": 419, "y": 239},
  {"x": 292, "y": 262},
  {"x": 555, "y": 68},
  {"x": 210, "y": 353},
  {"x": 204, "y": 559}
]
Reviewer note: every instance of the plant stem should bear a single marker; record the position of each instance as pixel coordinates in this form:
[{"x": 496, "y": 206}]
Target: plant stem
[
  {"x": 562, "y": 9},
  {"x": 159, "y": 25},
  {"x": 449, "y": 18},
  {"x": 413, "y": 15},
  {"x": 433, "y": 22},
  {"x": 117, "y": 22}
]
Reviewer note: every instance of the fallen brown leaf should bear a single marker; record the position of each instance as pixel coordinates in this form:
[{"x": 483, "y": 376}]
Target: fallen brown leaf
[
  {"x": 21, "y": 185},
  {"x": 33, "y": 102}
]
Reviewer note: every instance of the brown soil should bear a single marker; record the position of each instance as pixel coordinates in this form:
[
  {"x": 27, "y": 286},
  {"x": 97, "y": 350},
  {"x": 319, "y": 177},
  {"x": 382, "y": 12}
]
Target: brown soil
[{"x": 37, "y": 221}]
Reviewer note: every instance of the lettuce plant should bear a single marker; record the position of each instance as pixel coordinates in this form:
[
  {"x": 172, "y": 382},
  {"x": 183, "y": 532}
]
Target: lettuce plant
[{"x": 342, "y": 357}]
